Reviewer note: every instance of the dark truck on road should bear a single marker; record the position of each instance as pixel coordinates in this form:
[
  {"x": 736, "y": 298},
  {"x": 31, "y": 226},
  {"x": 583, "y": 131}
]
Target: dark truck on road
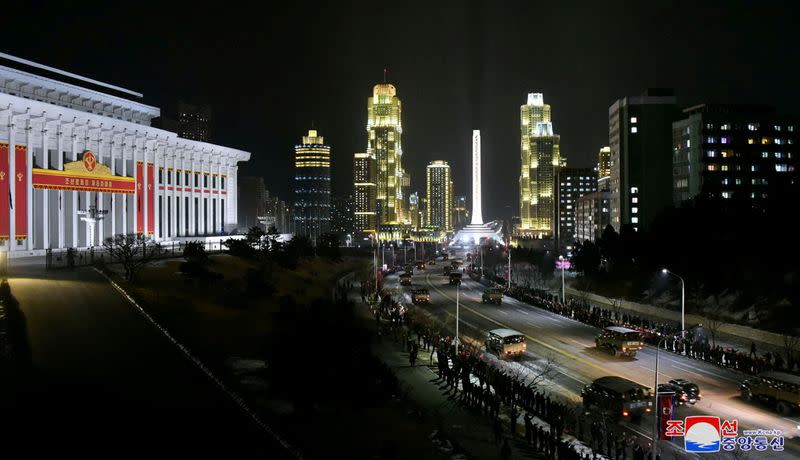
[
  {"x": 492, "y": 295},
  {"x": 455, "y": 278},
  {"x": 420, "y": 296}
]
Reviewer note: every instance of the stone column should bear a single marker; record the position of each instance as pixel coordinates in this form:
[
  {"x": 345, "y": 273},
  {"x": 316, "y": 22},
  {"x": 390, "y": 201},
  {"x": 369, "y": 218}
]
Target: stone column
[
  {"x": 29, "y": 201},
  {"x": 60, "y": 165},
  {"x": 45, "y": 192},
  {"x": 12, "y": 173},
  {"x": 74, "y": 193},
  {"x": 101, "y": 234}
]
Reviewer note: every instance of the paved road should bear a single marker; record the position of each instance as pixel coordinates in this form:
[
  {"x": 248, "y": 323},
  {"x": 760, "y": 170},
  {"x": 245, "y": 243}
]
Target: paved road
[
  {"x": 104, "y": 381},
  {"x": 570, "y": 344}
]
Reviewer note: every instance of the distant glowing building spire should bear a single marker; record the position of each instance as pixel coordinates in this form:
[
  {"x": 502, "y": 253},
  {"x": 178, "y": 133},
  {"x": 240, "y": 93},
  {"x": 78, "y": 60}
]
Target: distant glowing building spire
[{"x": 477, "y": 216}]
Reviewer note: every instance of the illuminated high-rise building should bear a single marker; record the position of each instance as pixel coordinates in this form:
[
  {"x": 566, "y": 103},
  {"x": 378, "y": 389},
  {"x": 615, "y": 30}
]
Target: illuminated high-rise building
[
  {"x": 312, "y": 191},
  {"x": 604, "y": 169},
  {"x": 384, "y": 130},
  {"x": 541, "y": 159},
  {"x": 364, "y": 193},
  {"x": 440, "y": 196},
  {"x": 413, "y": 210}
]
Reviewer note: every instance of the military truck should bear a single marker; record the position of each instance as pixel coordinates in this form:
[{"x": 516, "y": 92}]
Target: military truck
[
  {"x": 620, "y": 340},
  {"x": 492, "y": 295},
  {"x": 779, "y": 389},
  {"x": 420, "y": 296}
]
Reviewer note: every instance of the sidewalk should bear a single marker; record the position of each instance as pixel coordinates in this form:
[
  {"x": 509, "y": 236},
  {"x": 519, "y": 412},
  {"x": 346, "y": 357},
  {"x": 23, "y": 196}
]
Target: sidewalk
[{"x": 468, "y": 432}]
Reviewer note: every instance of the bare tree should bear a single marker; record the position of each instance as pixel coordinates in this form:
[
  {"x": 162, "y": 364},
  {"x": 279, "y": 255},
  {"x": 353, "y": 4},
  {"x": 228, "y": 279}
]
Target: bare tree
[
  {"x": 133, "y": 252},
  {"x": 714, "y": 318},
  {"x": 790, "y": 346}
]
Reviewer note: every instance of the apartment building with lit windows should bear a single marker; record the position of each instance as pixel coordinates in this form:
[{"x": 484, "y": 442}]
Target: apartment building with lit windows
[
  {"x": 734, "y": 152},
  {"x": 312, "y": 186},
  {"x": 364, "y": 193},
  {"x": 439, "y": 188},
  {"x": 640, "y": 139}
]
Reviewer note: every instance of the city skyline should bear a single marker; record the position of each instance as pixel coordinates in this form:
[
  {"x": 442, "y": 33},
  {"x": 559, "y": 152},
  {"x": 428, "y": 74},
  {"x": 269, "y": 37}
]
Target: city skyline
[{"x": 457, "y": 85}]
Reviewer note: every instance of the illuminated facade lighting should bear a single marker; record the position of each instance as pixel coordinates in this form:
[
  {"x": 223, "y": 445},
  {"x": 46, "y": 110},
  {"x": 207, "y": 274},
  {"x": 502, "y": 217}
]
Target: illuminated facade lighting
[
  {"x": 439, "y": 196},
  {"x": 312, "y": 205},
  {"x": 540, "y": 161},
  {"x": 384, "y": 132},
  {"x": 364, "y": 193}
]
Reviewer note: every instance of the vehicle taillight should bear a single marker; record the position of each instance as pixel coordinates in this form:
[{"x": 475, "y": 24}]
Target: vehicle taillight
[
  {"x": 647, "y": 409},
  {"x": 624, "y": 413}
]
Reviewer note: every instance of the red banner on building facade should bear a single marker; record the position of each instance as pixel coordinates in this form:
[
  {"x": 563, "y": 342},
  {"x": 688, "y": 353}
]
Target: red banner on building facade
[
  {"x": 21, "y": 193},
  {"x": 5, "y": 192},
  {"x": 139, "y": 200},
  {"x": 151, "y": 193},
  {"x": 54, "y": 179}
]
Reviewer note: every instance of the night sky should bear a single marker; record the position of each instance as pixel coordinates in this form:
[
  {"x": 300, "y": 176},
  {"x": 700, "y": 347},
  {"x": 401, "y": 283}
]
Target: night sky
[{"x": 457, "y": 66}]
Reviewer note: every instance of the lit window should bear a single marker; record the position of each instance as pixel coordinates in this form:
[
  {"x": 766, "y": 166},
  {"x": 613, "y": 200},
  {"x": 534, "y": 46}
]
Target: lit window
[
  {"x": 711, "y": 139},
  {"x": 777, "y": 127},
  {"x": 635, "y": 210},
  {"x": 725, "y": 127},
  {"x": 752, "y": 126},
  {"x": 726, "y": 194},
  {"x": 724, "y": 140},
  {"x": 711, "y": 153},
  {"x": 634, "y": 129},
  {"x": 634, "y": 190},
  {"x": 726, "y": 154},
  {"x": 790, "y": 128},
  {"x": 754, "y": 168},
  {"x": 711, "y": 167},
  {"x": 764, "y": 154},
  {"x": 634, "y": 220},
  {"x": 688, "y": 143},
  {"x": 751, "y": 141},
  {"x": 738, "y": 181},
  {"x": 635, "y": 199},
  {"x": 765, "y": 140},
  {"x": 781, "y": 167},
  {"x": 778, "y": 155},
  {"x": 724, "y": 167},
  {"x": 725, "y": 181},
  {"x": 778, "y": 140},
  {"x": 633, "y": 120}
]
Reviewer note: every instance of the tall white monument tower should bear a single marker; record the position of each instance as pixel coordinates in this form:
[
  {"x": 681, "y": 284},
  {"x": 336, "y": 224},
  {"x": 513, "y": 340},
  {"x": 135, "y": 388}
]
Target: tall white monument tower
[
  {"x": 477, "y": 230},
  {"x": 477, "y": 216}
]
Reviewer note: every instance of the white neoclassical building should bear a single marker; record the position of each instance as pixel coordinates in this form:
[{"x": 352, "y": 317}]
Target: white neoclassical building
[{"x": 72, "y": 148}]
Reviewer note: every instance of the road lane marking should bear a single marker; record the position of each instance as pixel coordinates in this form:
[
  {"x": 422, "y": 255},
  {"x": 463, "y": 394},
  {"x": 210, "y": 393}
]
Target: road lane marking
[
  {"x": 522, "y": 311},
  {"x": 546, "y": 345}
]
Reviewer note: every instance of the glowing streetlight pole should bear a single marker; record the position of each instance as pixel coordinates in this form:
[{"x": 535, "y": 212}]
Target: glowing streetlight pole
[{"x": 683, "y": 298}]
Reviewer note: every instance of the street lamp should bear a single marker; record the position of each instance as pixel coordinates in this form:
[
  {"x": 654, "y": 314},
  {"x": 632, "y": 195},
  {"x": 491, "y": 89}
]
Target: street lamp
[
  {"x": 656, "y": 411},
  {"x": 458, "y": 340},
  {"x": 562, "y": 264},
  {"x": 683, "y": 298}
]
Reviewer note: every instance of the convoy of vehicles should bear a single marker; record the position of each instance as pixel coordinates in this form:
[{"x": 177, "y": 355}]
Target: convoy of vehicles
[
  {"x": 617, "y": 397},
  {"x": 420, "y": 296},
  {"x": 778, "y": 389},
  {"x": 506, "y": 343},
  {"x": 492, "y": 295},
  {"x": 622, "y": 340}
]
